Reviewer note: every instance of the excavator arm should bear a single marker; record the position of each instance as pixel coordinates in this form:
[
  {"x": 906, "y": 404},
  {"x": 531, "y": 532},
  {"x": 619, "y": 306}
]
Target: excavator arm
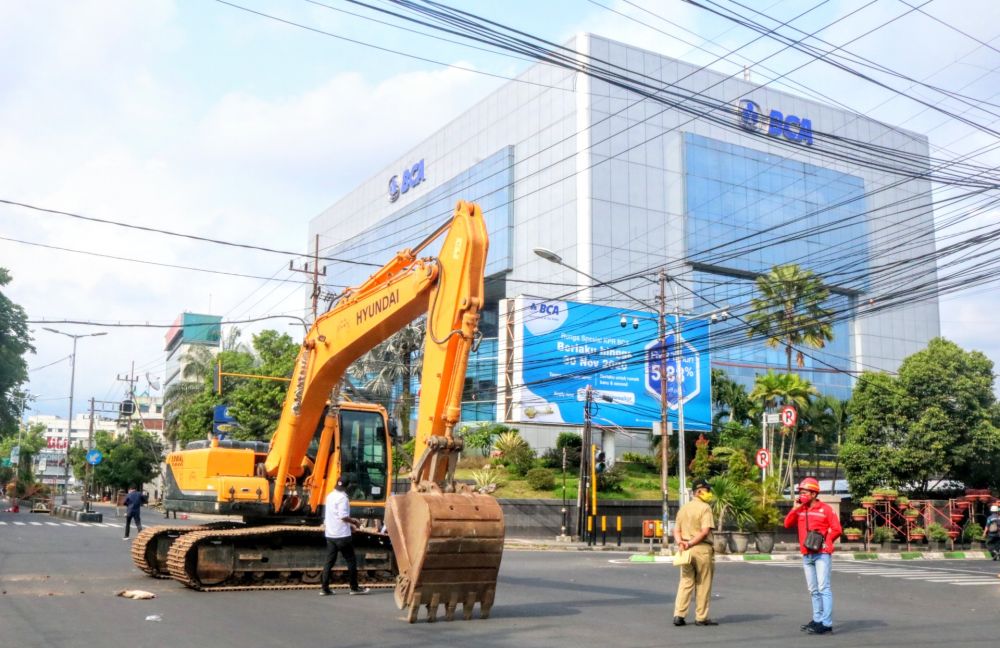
[
  {"x": 448, "y": 288},
  {"x": 448, "y": 540}
]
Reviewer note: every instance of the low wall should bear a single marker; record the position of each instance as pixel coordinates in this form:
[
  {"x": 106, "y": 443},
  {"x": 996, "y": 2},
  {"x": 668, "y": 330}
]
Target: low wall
[
  {"x": 71, "y": 513},
  {"x": 533, "y": 518}
]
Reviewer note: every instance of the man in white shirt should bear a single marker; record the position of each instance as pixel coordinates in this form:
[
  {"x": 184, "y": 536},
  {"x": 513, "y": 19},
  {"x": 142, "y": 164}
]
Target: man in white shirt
[{"x": 338, "y": 525}]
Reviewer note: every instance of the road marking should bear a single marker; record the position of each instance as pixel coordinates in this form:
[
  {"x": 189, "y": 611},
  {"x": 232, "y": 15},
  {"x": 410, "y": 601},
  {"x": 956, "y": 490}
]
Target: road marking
[
  {"x": 20, "y": 523},
  {"x": 51, "y": 524},
  {"x": 937, "y": 575},
  {"x": 67, "y": 524},
  {"x": 35, "y": 523},
  {"x": 3, "y": 524}
]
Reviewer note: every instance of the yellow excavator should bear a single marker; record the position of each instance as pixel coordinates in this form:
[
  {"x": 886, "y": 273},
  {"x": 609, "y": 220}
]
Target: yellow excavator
[{"x": 442, "y": 543}]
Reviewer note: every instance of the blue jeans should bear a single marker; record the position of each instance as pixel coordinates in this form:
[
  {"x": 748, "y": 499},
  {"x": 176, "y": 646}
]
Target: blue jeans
[{"x": 817, "y": 567}]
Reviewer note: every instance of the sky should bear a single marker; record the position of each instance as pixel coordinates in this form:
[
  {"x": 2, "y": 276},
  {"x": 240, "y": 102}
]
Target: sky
[{"x": 203, "y": 118}]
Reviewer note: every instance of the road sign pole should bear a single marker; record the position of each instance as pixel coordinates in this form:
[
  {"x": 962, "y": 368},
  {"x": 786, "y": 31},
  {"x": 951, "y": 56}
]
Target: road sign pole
[
  {"x": 763, "y": 442},
  {"x": 679, "y": 381}
]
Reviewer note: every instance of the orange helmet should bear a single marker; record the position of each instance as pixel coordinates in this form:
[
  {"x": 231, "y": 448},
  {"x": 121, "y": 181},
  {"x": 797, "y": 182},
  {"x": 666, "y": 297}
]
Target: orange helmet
[{"x": 809, "y": 484}]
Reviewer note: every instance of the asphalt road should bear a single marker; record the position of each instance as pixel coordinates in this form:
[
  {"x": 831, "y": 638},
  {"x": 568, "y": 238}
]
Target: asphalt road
[{"x": 59, "y": 584}]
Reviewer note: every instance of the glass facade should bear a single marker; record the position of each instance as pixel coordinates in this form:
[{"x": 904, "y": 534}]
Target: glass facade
[
  {"x": 748, "y": 211},
  {"x": 489, "y": 182}
]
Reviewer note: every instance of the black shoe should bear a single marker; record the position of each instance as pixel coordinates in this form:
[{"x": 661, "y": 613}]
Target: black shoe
[
  {"x": 679, "y": 621},
  {"x": 819, "y": 628},
  {"x": 323, "y": 592},
  {"x": 706, "y": 622},
  {"x": 811, "y": 624}
]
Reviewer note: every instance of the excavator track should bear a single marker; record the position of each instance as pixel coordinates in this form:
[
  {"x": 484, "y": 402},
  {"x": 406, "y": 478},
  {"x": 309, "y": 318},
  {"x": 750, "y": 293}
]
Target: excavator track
[
  {"x": 151, "y": 545},
  {"x": 273, "y": 558}
]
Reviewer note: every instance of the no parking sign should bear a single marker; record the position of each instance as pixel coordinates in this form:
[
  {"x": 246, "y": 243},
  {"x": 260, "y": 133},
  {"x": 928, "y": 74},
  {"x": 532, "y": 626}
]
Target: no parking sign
[{"x": 763, "y": 458}]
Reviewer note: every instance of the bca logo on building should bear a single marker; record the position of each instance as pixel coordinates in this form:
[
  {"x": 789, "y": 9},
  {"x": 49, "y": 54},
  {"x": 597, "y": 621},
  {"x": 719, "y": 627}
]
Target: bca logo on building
[
  {"x": 775, "y": 124},
  {"x": 411, "y": 178}
]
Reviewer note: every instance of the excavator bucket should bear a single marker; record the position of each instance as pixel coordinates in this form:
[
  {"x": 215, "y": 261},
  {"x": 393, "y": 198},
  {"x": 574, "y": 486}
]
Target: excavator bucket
[{"x": 448, "y": 547}]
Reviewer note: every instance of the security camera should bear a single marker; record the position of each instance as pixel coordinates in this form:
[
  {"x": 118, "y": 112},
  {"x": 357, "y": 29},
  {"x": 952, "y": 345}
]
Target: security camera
[
  {"x": 623, "y": 322},
  {"x": 635, "y": 323}
]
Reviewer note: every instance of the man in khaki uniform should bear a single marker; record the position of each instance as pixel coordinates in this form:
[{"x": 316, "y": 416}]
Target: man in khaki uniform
[{"x": 693, "y": 530}]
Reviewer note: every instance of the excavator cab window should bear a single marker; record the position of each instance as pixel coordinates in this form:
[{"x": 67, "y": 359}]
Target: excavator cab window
[{"x": 363, "y": 455}]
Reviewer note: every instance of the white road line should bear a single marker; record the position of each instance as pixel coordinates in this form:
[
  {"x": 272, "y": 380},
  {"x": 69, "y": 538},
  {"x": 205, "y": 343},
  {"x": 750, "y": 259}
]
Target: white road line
[
  {"x": 3, "y": 524},
  {"x": 20, "y": 524},
  {"x": 67, "y": 524},
  {"x": 113, "y": 526},
  {"x": 51, "y": 524},
  {"x": 35, "y": 523},
  {"x": 992, "y": 582}
]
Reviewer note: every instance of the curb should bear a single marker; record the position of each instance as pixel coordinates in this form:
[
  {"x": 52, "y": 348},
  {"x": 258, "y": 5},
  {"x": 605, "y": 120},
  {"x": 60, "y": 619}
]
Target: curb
[
  {"x": 847, "y": 557},
  {"x": 70, "y": 513}
]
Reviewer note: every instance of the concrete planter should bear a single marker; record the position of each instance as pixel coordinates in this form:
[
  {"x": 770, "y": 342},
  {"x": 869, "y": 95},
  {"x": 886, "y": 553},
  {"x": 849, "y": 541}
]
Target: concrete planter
[
  {"x": 738, "y": 542},
  {"x": 720, "y": 541},
  {"x": 765, "y": 541}
]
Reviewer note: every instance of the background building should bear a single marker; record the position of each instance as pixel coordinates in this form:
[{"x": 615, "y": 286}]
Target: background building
[
  {"x": 189, "y": 330},
  {"x": 713, "y": 179}
]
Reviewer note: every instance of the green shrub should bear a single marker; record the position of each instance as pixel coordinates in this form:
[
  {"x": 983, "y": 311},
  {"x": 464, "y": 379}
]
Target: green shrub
[
  {"x": 480, "y": 436},
  {"x": 972, "y": 532},
  {"x": 852, "y": 531},
  {"x": 552, "y": 458},
  {"x": 541, "y": 479},
  {"x": 611, "y": 480},
  {"x": 519, "y": 460},
  {"x": 509, "y": 441},
  {"x": 569, "y": 440},
  {"x": 882, "y": 535},
  {"x": 487, "y": 480},
  {"x": 937, "y": 533}
]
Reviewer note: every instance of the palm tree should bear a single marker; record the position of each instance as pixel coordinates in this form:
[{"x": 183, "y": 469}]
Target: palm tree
[
  {"x": 730, "y": 398},
  {"x": 790, "y": 312},
  {"x": 787, "y": 389},
  {"x": 393, "y": 362}
]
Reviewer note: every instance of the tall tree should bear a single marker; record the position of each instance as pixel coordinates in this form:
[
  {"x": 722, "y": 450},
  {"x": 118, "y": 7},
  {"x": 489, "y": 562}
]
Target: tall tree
[
  {"x": 789, "y": 311},
  {"x": 773, "y": 389},
  {"x": 391, "y": 366},
  {"x": 15, "y": 343},
  {"x": 935, "y": 421},
  {"x": 254, "y": 403},
  {"x": 730, "y": 399}
]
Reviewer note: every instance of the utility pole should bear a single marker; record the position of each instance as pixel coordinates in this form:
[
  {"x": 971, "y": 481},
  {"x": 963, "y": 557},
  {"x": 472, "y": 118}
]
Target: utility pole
[
  {"x": 679, "y": 381},
  {"x": 664, "y": 439},
  {"x": 131, "y": 379},
  {"x": 316, "y": 274},
  {"x": 582, "y": 499},
  {"x": 89, "y": 488}
]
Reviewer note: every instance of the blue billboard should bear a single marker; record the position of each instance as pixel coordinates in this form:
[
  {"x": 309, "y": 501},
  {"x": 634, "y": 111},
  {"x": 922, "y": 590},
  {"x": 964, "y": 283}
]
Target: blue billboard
[{"x": 567, "y": 346}]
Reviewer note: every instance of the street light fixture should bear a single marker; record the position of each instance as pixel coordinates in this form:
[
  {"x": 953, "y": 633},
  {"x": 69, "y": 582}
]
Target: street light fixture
[{"x": 72, "y": 380}]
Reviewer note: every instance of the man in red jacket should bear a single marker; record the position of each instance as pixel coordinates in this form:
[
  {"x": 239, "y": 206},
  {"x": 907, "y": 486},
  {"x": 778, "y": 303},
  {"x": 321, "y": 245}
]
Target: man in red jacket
[{"x": 812, "y": 515}]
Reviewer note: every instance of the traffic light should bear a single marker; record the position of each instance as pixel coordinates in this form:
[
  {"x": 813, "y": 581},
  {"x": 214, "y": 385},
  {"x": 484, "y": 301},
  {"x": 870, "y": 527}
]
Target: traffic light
[{"x": 601, "y": 462}]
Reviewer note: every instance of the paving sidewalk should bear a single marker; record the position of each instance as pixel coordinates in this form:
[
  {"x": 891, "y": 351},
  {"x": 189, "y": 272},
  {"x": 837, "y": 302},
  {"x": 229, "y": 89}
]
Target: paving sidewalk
[{"x": 642, "y": 553}]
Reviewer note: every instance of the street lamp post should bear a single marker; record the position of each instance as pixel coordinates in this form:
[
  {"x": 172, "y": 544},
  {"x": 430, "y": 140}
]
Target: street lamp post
[{"x": 69, "y": 423}]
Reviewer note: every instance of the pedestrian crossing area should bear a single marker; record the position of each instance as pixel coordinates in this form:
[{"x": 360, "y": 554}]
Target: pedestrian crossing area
[
  {"x": 60, "y": 523},
  {"x": 907, "y": 572}
]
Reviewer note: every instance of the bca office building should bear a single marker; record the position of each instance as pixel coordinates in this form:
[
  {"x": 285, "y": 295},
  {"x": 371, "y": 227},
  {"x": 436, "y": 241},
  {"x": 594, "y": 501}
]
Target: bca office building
[{"x": 715, "y": 188}]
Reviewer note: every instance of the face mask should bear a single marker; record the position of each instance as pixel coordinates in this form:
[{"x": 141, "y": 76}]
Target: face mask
[
  {"x": 705, "y": 496},
  {"x": 804, "y": 499}
]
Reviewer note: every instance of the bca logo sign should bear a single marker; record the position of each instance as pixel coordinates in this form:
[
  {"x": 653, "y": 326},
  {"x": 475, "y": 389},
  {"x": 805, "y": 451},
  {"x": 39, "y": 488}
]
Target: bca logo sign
[
  {"x": 775, "y": 124},
  {"x": 542, "y": 308},
  {"x": 411, "y": 178},
  {"x": 541, "y": 317}
]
